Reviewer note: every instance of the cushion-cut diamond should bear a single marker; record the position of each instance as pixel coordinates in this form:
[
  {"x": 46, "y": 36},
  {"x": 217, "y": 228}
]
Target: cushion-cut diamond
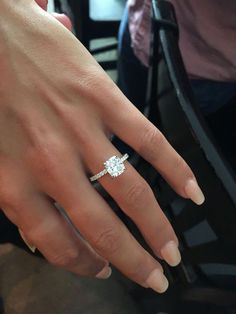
[{"x": 114, "y": 166}]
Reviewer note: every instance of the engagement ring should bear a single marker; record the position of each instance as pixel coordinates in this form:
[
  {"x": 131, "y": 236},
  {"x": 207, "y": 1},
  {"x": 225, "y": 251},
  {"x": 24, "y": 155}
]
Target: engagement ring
[{"x": 114, "y": 166}]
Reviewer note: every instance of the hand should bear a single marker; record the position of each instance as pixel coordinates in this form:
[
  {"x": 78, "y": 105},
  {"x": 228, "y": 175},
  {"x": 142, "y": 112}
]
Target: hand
[{"x": 56, "y": 107}]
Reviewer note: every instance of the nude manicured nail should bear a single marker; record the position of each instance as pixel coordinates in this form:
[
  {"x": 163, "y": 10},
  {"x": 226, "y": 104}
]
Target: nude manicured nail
[
  {"x": 157, "y": 281},
  {"x": 30, "y": 246},
  {"x": 194, "y": 192},
  {"x": 171, "y": 253},
  {"x": 105, "y": 273}
]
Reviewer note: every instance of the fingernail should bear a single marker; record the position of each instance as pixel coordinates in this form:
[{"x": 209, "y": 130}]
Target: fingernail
[
  {"x": 30, "y": 246},
  {"x": 194, "y": 192},
  {"x": 171, "y": 254},
  {"x": 105, "y": 273},
  {"x": 157, "y": 281}
]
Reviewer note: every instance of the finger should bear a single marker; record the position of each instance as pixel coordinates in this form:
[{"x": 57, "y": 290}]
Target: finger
[
  {"x": 30, "y": 245},
  {"x": 65, "y": 180},
  {"x": 64, "y": 20},
  {"x": 135, "y": 197},
  {"x": 42, "y": 3},
  {"x": 150, "y": 143},
  {"x": 110, "y": 238},
  {"x": 44, "y": 227}
]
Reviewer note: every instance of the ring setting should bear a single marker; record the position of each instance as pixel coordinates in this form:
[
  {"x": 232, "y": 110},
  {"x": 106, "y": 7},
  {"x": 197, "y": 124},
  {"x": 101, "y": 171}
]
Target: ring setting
[{"x": 114, "y": 166}]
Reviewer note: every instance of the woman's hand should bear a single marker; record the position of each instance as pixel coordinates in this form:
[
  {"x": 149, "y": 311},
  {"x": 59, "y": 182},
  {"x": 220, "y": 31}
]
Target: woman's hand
[{"x": 56, "y": 107}]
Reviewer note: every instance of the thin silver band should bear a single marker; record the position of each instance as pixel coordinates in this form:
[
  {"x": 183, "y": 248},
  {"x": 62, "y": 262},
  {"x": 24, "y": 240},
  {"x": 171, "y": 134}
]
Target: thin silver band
[
  {"x": 105, "y": 171},
  {"x": 124, "y": 157}
]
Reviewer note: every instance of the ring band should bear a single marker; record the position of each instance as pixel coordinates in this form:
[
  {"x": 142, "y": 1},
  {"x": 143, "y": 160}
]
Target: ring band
[{"x": 114, "y": 166}]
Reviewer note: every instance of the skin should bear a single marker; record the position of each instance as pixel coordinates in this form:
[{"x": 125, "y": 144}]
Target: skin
[{"x": 56, "y": 107}]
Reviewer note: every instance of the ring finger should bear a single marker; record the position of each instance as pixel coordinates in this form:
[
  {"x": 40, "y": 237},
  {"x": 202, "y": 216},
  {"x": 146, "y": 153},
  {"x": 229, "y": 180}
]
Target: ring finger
[
  {"x": 135, "y": 197},
  {"x": 45, "y": 228}
]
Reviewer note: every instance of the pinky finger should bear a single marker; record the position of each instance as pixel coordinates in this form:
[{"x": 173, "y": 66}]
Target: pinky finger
[
  {"x": 43, "y": 227},
  {"x": 30, "y": 246}
]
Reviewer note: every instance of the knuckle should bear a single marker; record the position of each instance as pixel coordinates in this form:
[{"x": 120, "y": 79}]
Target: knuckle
[
  {"x": 137, "y": 194},
  {"x": 45, "y": 158},
  {"x": 151, "y": 141},
  {"x": 47, "y": 165},
  {"x": 84, "y": 135},
  {"x": 179, "y": 163},
  {"x": 90, "y": 81},
  {"x": 107, "y": 242},
  {"x": 180, "y": 166},
  {"x": 68, "y": 259},
  {"x": 11, "y": 197}
]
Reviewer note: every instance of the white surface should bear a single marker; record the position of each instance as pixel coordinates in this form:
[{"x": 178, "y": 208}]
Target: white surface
[
  {"x": 51, "y": 7},
  {"x": 110, "y": 10}
]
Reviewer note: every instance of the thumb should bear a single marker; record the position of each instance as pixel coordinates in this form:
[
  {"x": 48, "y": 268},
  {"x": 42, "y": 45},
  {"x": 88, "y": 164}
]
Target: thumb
[
  {"x": 42, "y": 3},
  {"x": 63, "y": 19},
  {"x": 60, "y": 17}
]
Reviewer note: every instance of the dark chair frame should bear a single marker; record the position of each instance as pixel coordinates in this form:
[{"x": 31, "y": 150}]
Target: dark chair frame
[
  {"x": 186, "y": 99},
  {"x": 96, "y": 28},
  {"x": 196, "y": 143},
  {"x": 87, "y": 29}
]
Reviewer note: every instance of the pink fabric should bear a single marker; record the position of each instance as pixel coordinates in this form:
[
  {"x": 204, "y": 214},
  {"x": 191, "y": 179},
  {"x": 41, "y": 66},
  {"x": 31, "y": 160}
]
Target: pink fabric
[{"x": 207, "y": 35}]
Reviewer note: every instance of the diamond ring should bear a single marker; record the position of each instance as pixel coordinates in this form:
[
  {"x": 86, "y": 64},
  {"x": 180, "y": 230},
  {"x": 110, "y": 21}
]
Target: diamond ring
[{"x": 114, "y": 166}]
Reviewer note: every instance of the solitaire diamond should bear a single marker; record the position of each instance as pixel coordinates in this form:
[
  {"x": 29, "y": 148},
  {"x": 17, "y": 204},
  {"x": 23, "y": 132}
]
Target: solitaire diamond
[{"x": 114, "y": 166}]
